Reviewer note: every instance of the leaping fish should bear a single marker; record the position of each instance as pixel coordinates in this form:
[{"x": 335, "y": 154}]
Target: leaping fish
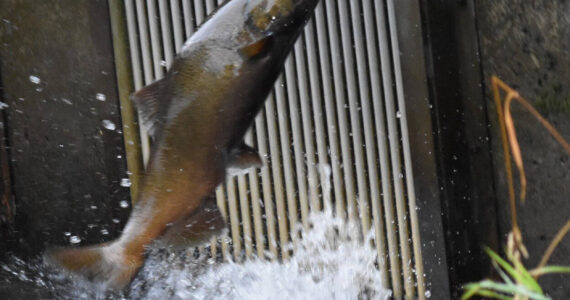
[{"x": 197, "y": 117}]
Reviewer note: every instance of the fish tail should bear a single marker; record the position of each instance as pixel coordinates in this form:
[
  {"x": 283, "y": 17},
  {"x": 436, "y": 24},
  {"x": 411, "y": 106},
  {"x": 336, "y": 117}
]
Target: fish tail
[{"x": 101, "y": 263}]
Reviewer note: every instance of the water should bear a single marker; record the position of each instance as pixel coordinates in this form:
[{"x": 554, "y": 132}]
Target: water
[{"x": 330, "y": 262}]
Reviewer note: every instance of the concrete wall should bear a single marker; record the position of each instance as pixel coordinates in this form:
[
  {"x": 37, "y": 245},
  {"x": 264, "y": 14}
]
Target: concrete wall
[
  {"x": 56, "y": 56},
  {"x": 527, "y": 44}
]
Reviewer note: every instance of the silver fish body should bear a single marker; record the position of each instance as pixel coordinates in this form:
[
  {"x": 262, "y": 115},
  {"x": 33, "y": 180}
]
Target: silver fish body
[{"x": 197, "y": 117}]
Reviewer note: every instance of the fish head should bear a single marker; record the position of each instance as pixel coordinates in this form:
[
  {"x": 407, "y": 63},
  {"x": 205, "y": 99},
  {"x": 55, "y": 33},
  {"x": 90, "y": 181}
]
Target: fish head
[
  {"x": 255, "y": 25},
  {"x": 234, "y": 58}
]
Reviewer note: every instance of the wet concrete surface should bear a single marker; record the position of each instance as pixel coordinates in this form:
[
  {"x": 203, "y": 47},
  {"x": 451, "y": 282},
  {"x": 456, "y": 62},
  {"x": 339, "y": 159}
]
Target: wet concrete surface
[
  {"x": 59, "y": 85},
  {"x": 527, "y": 44}
]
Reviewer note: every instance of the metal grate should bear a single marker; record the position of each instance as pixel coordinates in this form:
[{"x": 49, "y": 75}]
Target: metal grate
[{"x": 338, "y": 103}]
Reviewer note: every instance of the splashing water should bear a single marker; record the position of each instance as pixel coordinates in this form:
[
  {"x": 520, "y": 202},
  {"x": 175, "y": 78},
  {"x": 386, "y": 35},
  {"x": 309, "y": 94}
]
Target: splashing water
[{"x": 331, "y": 261}]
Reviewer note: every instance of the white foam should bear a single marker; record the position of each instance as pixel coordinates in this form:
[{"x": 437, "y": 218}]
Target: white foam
[{"x": 330, "y": 262}]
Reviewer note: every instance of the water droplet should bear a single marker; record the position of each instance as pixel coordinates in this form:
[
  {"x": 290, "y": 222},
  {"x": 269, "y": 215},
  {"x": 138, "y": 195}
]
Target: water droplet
[
  {"x": 3, "y": 105},
  {"x": 125, "y": 182},
  {"x": 428, "y": 294},
  {"x": 104, "y": 231},
  {"x": 398, "y": 114},
  {"x": 67, "y": 233},
  {"x": 116, "y": 221},
  {"x": 124, "y": 204},
  {"x": 35, "y": 79},
  {"x": 100, "y": 97},
  {"x": 163, "y": 63},
  {"x": 109, "y": 125},
  {"x": 75, "y": 239}
]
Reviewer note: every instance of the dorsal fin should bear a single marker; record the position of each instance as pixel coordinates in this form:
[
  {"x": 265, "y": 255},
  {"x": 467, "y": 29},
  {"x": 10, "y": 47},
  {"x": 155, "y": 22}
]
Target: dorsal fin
[
  {"x": 146, "y": 102},
  {"x": 242, "y": 158}
]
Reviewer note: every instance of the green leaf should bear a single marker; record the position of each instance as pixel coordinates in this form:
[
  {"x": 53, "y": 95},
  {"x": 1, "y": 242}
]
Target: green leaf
[
  {"x": 511, "y": 289},
  {"x": 551, "y": 270},
  {"x": 471, "y": 290},
  {"x": 528, "y": 281},
  {"x": 522, "y": 277}
]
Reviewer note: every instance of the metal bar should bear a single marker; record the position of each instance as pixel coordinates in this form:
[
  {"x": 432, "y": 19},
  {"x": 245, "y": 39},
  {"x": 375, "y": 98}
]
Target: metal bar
[
  {"x": 328, "y": 95},
  {"x": 300, "y": 64},
  {"x": 155, "y": 39},
  {"x": 146, "y": 68},
  {"x": 188, "y": 17},
  {"x": 353, "y": 97},
  {"x": 406, "y": 150},
  {"x": 133, "y": 44},
  {"x": 364, "y": 76},
  {"x": 256, "y": 204},
  {"x": 210, "y": 6},
  {"x": 383, "y": 153},
  {"x": 260, "y": 130},
  {"x": 339, "y": 88},
  {"x": 234, "y": 218},
  {"x": 317, "y": 112},
  {"x": 137, "y": 71},
  {"x": 221, "y": 201},
  {"x": 293, "y": 100},
  {"x": 176, "y": 25},
  {"x": 125, "y": 75},
  {"x": 277, "y": 177},
  {"x": 286, "y": 156},
  {"x": 245, "y": 215},
  {"x": 199, "y": 12},
  {"x": 144, "y": 43},
  {"x": 166, "y": 32},
  {"x": 397, "y": 175}
]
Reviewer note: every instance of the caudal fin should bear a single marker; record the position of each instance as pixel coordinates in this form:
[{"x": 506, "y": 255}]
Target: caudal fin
[{"x": 102, "y": 264}]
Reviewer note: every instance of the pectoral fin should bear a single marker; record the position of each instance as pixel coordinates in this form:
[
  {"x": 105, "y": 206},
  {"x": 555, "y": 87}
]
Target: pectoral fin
[
  {"x": 257, "y": 48},
  {"x": 146, "y": 102},
  {"x": 243, "y": 157}
]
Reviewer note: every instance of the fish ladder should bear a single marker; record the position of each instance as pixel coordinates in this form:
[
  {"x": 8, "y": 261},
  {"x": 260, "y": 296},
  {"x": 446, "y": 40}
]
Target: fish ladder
[{"x": 338, "y": 109}]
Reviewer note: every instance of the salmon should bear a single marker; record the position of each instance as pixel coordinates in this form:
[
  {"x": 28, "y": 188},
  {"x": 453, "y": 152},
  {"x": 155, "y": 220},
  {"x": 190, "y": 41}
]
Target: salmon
[{"x": 197, "y": 116}]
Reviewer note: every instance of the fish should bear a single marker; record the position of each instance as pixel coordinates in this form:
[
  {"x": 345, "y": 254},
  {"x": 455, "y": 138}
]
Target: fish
[{"x": 197, "y": 116}]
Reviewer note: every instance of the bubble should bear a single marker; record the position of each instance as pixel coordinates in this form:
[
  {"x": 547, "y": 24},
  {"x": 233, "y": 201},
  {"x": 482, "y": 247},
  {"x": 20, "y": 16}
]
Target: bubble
[
  {"x": 109, "y": 125},
  {"x": 125, "y": 182},
  {"x": 100, "y": 97},
  {"x": 75, "y": 239},
  {"x": 35, "y": 79},
  {"x": 427, "y": 294}
]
